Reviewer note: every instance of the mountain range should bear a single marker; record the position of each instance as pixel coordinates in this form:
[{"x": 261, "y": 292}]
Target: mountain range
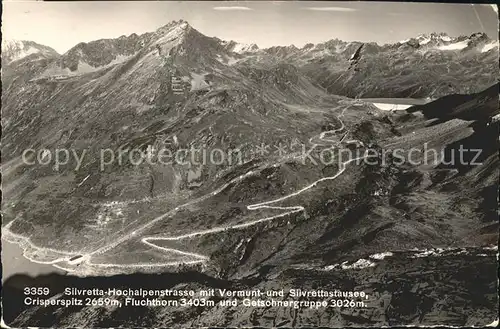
[
  {"x": 366, "y": 226},
  {"x": 446, "y": 61}
]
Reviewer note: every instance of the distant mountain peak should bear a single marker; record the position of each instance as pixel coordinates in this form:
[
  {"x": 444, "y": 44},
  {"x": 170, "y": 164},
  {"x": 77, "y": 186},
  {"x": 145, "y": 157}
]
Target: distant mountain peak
[
  {"x": 177, "y": 32},
  {"x": 237, "y": 47},
  {"x": 434, "y": 37},
  {"x": 180, "y": 26},
  {"x": 13, "y": 50},
  {"x": 443, "y": 41},
  {"x": 479, "y": 36}
]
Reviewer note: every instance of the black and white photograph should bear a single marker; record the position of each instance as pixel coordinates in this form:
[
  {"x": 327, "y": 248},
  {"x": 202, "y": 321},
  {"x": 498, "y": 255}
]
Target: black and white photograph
[{"x": 187, "y": 164}]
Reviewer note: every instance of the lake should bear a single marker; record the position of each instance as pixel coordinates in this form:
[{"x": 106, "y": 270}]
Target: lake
[{"x": 396, "y": 104}]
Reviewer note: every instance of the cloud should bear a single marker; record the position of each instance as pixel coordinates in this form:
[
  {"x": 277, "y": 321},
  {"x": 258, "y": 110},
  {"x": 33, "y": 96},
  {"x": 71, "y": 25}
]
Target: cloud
[
  {"x": 227, "y": 8},
  {"x": 342, "y": 9}
]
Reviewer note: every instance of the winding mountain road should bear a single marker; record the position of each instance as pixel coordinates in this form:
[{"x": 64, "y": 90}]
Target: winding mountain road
[{"x": 322, "y": 139}]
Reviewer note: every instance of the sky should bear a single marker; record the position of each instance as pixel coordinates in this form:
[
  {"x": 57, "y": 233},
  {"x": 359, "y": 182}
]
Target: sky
[{"x": 61, "y": 25}]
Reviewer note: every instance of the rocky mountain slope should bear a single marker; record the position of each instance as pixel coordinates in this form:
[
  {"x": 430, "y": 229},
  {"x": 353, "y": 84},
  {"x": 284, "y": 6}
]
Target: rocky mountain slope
[
  {"x": 179, "y": 88},
  {"x": 450, "y": 65},
  {"x": 44, "y": 111}
]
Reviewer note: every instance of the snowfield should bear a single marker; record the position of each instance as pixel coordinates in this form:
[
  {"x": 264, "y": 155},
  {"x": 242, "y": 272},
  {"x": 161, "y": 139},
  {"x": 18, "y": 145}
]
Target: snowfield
[
  {"x": 454, "y": 46},
  {"x": 489, "y": 47}
]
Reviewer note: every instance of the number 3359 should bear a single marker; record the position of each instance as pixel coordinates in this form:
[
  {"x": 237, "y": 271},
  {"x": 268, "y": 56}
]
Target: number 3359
[{"x": 39, "y": 291}]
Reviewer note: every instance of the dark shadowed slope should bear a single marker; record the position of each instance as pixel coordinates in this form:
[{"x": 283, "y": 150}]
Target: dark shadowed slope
[{"x": 477, "y": 106}]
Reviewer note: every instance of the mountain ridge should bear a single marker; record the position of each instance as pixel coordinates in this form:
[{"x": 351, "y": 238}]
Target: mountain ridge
[
  {"x": 231, "y": 45},
  {"x": 14, "y": 50},
  {"x": 328, "y": 64}
]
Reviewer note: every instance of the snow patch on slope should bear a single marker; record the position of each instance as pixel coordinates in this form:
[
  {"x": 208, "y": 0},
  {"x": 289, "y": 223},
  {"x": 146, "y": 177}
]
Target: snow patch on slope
[
  {"x": 198, "y": 82},
  {"x": 25, "y": 53},
  {"x": 425, "y": 41},
  {"x": 17, "y": 49},
  {"x": 173, "y": 36},
  {"x": 454, "y": 46},
  {"x": 244, "y": 48},
  {"x": 439, "y": 252},
  {"x": 382, "y": 255},
  {"x": 489, "y": 46},
  {"x": 359, "y": 264}
]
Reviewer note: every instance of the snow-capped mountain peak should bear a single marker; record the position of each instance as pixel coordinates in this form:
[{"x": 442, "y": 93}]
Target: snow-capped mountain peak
[
  {"x": 443, "y": 41},
  {"x": 14, "y": 50},
  {"x": 175, "y": 29},
  {"x": 240, "y": 48},
  {"x": 243, "y": 47},
  {"x": 434, "y": 38},
  {"x": 490, "y": 46}
]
